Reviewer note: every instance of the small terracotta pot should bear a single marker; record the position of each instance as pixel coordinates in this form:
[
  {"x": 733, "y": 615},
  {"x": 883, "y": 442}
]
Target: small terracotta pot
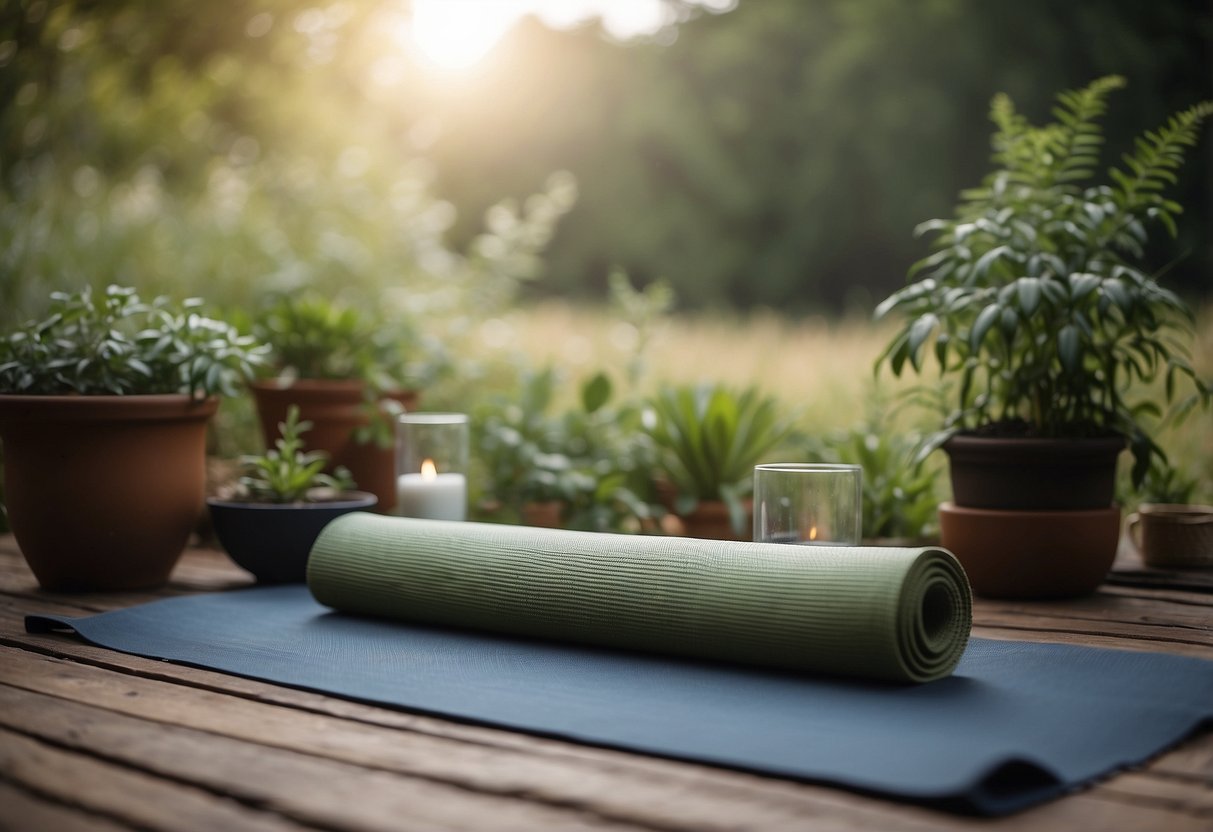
[
  {"x": 547, "y": 515},
  {"x": 1172, "y": 536},
  {"x": 710, "y": 520},
  {"x": 103, "y": 491},
  {"x": 1037, "y": 474},
  {"x": 336, "y": 409},
  {"x": 274, "y": 540},
  {"x": 1031, "y": 554}
]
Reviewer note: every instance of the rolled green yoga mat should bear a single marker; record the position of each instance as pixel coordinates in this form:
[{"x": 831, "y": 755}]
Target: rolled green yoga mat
[{"x": 879, "y": 613}]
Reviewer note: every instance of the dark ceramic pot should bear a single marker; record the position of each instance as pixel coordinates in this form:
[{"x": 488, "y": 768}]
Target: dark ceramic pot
[
  {"x": 1033, "y": 474},
  {"x": 1031, "y": 554},
  {"x": 103, "y": 491},
  {"x": 273, "y": 540},
  {"x": 336, "y": 409}
]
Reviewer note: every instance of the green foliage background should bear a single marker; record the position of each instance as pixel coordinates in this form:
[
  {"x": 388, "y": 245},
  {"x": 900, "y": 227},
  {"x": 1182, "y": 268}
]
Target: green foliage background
[
  {"x": 781, "y": 154},
  {"x": 777, "y": 154}
]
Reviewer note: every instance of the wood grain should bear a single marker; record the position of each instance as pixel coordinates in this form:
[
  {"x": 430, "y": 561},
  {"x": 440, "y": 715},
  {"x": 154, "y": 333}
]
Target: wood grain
[{"x": 91, "y": 736}]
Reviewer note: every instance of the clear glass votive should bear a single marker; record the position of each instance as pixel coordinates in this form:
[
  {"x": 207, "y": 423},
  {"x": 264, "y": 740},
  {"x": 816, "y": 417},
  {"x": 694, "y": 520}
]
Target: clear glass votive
[
  {"x": 808, "y": 503},
  {"x": 431, "y": 465}
]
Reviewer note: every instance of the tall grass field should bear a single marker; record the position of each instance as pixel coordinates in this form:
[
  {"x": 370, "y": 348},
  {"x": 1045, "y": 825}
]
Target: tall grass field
[{"x": 821, "y": 368}]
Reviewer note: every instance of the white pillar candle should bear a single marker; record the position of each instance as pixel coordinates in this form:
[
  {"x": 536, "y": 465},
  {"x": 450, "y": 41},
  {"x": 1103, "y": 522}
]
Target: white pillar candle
[{"x": 431, "y": 495}]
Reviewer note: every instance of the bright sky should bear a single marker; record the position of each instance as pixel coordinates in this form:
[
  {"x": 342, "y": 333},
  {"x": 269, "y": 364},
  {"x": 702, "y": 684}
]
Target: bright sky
[{"x": 455, "y": 34}]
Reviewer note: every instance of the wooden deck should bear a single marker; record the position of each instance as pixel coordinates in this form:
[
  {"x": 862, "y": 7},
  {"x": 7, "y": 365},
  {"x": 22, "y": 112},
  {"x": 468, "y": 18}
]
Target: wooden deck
[{"x": 96, "y": 740}]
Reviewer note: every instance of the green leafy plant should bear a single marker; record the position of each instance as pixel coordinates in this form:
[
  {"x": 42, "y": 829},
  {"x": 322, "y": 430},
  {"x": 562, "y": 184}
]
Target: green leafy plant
[
  {"x": 899, "y": 499},
  {"x": 1036, "y": 304},
  {"x": 313, "y": 337},
  {"x": 288, "y": 474},
  {"x": 591, "y": 458},
  {"x": 710, "y": 438},
  {"x": 1165, "y": 483},
  {"x": 117, "y": 344}
]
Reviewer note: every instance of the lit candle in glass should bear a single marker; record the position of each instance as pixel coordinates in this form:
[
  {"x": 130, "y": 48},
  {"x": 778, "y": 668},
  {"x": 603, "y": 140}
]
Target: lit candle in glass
[
  {"x": 809, "y": 504},
  {"x": 431, "y": 461},
  {"x": 433, "y": 495}
]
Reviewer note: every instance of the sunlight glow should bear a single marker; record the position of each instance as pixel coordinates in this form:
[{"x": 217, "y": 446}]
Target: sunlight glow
[{"x": 454, "y": 35}]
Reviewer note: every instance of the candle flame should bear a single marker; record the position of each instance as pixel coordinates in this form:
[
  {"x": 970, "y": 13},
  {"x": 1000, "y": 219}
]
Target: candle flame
[
  {"x": 428, "y": 471},
  {"x": 813, "y": 533}
]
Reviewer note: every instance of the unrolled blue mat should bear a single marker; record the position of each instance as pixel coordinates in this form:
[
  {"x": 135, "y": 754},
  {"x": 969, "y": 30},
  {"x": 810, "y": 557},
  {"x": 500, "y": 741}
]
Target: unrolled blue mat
[{"x": 1016, "y": 724}]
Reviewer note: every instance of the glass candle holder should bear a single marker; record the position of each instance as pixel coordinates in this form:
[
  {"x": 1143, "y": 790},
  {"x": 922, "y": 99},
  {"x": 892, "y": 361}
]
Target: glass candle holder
[
  {"x": 807, "y": 503},
  {"x": 431, "y": 465}
]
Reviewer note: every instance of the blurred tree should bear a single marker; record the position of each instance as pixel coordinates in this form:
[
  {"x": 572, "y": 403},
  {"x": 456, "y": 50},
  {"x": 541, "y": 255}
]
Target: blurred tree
[
  {"x": 783, "y": 152},
  {"x": 780, "y": 153},
  {"x": 235, "y": 151}
]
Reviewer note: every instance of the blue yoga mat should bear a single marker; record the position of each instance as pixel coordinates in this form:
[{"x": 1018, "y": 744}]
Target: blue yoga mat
[{"x": 1016, "y": 724}]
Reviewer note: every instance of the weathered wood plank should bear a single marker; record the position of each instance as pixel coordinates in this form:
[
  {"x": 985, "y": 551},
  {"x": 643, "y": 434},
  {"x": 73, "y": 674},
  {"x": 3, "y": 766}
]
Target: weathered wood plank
[
  {"x": 1140, "y": 788},
  {"x": 1014, "y": 631},
  {"x": 310, "y": 790},
  {"x": 24, "y": 812},
  {"x": 638, "y": 791},
  {"x": 122, "y": 794},
  {"x": 1104, "y": 608}
]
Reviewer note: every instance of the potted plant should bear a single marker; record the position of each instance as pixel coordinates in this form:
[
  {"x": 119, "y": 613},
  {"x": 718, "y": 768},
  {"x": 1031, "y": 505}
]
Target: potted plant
[
  {"x": 280, "y": 505},
  {"x": 103, "y": 412},
  {"x": 346, "y": 371},
  {"x": 1046, "y": 325},
  {"x": 709, "y": 439},
  {"x": 584, "y": 468},
  {"x": 899, "y": 499}
]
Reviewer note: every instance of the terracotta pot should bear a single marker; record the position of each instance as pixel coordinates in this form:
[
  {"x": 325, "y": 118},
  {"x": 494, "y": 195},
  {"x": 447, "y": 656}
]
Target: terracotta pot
[
  {"x": 336, "y": 410},
  {"x": 274, "y": 540},
  {"x": 103, "y": 491},
  {"x": 1173, "y": 536},
  {"x": 1031, "y": 554},
  {"x": 1037, "y": 474},
  {"x": 710, "y": 520},
  {"x": 546, "y": 515}
]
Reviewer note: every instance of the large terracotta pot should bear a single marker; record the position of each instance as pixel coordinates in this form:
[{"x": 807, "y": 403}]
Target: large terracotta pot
[
  {"x": 336, "y": 410},
  {"x": 1036, "y": 474},
  {"x": 1031, "y": 554},
  {"x": 103, "y": 491}
]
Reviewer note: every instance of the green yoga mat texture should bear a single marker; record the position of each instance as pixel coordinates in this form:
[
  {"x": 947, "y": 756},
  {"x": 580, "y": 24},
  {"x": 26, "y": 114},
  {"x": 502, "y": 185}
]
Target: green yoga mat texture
[{"x": 879, "y": 613}]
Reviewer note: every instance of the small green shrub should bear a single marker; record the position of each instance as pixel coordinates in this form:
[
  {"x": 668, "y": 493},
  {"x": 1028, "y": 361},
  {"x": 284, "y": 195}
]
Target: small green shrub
[
  {"x": 288, "y": 474},
  {"x": 899, "y": 497},
  {"x": 592, "y": 458}
]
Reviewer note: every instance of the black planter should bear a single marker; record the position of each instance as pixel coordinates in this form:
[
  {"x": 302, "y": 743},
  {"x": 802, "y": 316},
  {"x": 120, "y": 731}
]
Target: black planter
[
  {"x": 273, "y": 540},
  {"x": 1035, "y": 474}
]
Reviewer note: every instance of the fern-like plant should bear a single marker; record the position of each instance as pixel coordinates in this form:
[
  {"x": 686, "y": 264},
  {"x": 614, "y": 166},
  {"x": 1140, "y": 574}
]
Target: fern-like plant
[{"x": 1037, "y": 305}]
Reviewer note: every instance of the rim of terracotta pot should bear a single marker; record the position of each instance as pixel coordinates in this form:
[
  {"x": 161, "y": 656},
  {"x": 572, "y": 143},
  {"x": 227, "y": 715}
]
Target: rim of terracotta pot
[
  {"x": 308, "y": 384},
  {"x": 75, "y": 407}
]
